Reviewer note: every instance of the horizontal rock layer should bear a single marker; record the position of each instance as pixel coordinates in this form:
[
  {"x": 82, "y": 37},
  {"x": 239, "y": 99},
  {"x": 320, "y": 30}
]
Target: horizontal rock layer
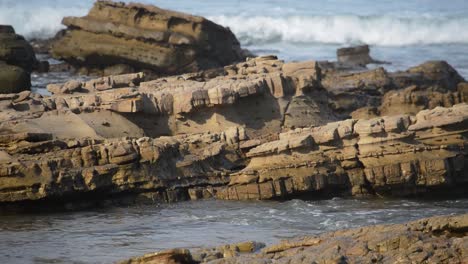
[
  {"x": 286, "y": 137},
  {"x": 145, "y": 37},
  {"x": 395, "y": 155}
]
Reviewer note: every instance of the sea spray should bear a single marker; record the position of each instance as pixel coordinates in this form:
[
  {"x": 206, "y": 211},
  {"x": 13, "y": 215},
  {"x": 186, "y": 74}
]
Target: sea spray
[{"x": 382, "y": 30}]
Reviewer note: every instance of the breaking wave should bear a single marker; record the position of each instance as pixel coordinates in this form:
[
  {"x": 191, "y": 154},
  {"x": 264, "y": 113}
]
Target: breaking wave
[
  {"x": 37, "y": 21},
  {"x": 348, "y": 29},
  {"x": 42, "y": 19}
]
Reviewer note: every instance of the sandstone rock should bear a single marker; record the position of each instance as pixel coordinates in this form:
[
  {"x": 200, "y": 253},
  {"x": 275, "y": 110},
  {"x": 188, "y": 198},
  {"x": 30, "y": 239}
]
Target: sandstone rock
[
  {"x": 166, "y": 167},
  {"x": 439, "y": 72},
  {"x": 414, "y": 98},
  {"x": 145, "y": 37},
  {"x": 368, "y": 93},
  {"x": 355, "y": 56},
  {"x": 119, "y": 135},
  {"x": 350, "y": 91},
  {"x": 359, "y": 157},
  {"x": 66, "y": 88},
  {"x": 169, "y": 256},
  {"x": 118, "y": 69}
]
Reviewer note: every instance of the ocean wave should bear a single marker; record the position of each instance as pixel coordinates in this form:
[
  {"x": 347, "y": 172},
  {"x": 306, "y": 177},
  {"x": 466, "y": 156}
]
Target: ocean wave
[
  {"x": 37, "y": 21},
  {"x": 42, "y": 19},
  {"x": 383, "y": 30}
]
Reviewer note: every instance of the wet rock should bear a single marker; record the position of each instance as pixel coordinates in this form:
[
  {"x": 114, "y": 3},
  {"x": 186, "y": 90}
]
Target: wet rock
[
  {"x": 145, "y": 37},
  {"x": 440, "y": 239}
]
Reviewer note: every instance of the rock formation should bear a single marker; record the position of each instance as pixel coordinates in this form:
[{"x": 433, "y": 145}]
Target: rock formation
[
  {"x": 394, "y": 155},
  {"x": 17, "y": 60},
  {"x": 355, "y": 56},
  {"x": 371, "y": 93},
  {"x": 146, "y": 38},
  {"x": 441, "y": 239},
  {"x": 277, "y": 130}
]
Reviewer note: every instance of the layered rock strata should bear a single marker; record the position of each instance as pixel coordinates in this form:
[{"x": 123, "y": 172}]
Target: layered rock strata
[
  {"x": 285, "y": 138},
  {"x": 145, "y": 37},
  {"x": 441, "y": 239},
  {"x": 390, "y": 155}
]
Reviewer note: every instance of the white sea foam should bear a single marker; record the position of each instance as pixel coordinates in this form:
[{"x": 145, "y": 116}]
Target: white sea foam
[
  {"x": 42, "y": 18},
  {"x": 376, "y": 30},
  {"x": 37, "y": 21}
]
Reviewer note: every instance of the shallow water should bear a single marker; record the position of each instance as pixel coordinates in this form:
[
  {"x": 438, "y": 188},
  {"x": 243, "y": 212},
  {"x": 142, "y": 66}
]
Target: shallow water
[{"x": 107, "y": 235}]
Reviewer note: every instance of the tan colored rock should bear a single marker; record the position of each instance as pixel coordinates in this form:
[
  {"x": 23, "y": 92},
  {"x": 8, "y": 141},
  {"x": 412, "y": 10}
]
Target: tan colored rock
[
  {"x": 413, "y": 99},
  {"x": 260, "y": 129},
  {"x": 30, "y": 163},
  {"x": 172, "y": 256},
  {"x": 359, "y": 156},
  {"x": 145, "y": 37}
]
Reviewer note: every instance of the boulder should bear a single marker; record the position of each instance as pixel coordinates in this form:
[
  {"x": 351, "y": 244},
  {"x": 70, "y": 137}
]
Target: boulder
[
  {"x": 13, "y": 79},
  {"x": 430, "y": 73},
  {"x": 145, "y": 37},
  {"x": 15, "y": 50},
  {"x": 355, "y": 56}
]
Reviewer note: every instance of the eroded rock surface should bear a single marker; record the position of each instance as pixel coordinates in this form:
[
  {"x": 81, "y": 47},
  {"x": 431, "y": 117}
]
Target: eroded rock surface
[
  {"x": 441, "y": 239},
  {"x": 394, "y": 155},
  {"x": 274, "y": 133},
  {"x": 145, "y": 37}
]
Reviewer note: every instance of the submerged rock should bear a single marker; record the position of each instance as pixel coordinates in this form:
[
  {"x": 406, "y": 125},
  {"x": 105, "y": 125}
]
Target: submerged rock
[{"x": 145, "y": 37}]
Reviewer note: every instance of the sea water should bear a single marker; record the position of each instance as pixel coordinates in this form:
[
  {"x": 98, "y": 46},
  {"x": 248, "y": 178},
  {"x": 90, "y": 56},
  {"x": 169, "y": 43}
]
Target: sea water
[{"x": 115, "y": 233}]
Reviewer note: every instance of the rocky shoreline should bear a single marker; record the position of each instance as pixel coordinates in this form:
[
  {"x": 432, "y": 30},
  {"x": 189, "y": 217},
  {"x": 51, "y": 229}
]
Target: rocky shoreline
[
  {"x": 177, "y": 111},
  {"x": 441, "y": 239}
]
